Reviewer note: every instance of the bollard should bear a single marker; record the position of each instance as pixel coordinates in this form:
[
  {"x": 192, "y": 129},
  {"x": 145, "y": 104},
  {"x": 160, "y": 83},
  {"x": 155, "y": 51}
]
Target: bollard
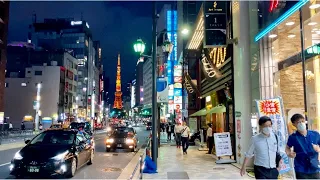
[{"x": 141, "y": 166}]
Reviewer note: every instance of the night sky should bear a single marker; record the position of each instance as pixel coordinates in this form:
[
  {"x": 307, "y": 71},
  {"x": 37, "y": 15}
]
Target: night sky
[{"x": 116, "y": 24}]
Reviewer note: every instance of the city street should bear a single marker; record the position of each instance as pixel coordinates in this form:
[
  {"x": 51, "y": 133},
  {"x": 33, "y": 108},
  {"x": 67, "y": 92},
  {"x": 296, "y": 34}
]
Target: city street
[{"x": 105, "y": 165}]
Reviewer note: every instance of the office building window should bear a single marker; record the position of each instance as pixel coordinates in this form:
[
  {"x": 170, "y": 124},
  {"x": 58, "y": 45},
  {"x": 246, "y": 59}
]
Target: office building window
[{"x": 38, "y": 73}]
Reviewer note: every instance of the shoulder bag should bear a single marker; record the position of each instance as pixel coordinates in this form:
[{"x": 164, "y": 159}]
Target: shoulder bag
[{"x": 278, "y": 156}]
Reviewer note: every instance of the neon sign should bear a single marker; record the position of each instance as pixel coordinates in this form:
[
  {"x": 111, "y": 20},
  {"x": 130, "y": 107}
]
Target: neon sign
[{"x": 273, "y": 5}]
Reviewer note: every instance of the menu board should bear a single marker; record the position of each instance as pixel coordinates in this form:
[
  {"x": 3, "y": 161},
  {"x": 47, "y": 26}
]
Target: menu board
[{"x": 222, "y": 142}]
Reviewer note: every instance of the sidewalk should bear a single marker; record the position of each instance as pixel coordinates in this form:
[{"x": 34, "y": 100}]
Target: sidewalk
[{"x": 172, "y": 164}]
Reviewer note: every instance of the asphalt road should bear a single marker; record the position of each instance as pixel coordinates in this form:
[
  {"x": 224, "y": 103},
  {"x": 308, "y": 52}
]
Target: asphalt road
[{"x": 105, "y": 165}]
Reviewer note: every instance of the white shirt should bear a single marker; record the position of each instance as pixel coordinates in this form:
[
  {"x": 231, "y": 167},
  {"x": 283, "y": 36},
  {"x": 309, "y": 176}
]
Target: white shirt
[
  {"x": 186, "y": 131},
  {"x": 178, "y": 128},
  {"x": 209, "y": 132},
  {"x": 264, "y": 150}
]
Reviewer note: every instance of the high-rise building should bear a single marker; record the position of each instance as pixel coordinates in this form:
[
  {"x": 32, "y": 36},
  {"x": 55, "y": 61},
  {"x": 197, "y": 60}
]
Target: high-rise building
[
  {"x": 118, "y": 94},
  {"x": 4, "y": 19},
  {"x": 76, "y": 37}
]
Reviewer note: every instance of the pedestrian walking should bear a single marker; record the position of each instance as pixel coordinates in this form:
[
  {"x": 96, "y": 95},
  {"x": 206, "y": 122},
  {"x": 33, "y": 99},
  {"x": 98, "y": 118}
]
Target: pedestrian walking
[
  {"x": 169, "y": 132},
  {"x": 10, "y": 126},
  {"x": 177, "y": 132},
  {"x": 210, "y": 138},
  {"x": 303, "y": 146},
  {"x": 264, "y": 147},
  {"x": 185, "y": 135},
  {"x": 23, "y": 127}
]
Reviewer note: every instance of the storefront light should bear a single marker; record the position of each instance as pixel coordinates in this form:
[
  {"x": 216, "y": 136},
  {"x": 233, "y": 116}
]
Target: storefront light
[
  {"x": 314, "y": 6},
  {"x": 291, "y": 35},
  {"x": 312, "y": 23},
  {"x": 272, "y": 35},
  {"x": 290, "y": 23}
]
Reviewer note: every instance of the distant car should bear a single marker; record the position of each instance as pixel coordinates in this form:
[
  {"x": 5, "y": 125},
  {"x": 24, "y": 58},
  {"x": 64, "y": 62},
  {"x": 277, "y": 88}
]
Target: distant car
[
  {"x": 122, "y": 138},
  {"x": 149, "y": 126},
  {"x": 56, "y": 126},
  {"x": 52, "y": 152}
]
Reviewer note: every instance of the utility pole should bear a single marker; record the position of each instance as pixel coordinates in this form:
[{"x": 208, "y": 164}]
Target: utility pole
[{"x": 154, "y": 146}]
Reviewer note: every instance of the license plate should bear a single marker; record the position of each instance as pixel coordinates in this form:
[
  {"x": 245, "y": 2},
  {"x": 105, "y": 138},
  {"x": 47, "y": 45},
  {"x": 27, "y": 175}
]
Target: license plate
[
  {"x": 119, "y": 145},
  {"x": 33, "y": 169}
]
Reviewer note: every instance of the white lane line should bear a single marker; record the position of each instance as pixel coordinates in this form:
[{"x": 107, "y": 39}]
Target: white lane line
[{"x": 4, "y": 164}]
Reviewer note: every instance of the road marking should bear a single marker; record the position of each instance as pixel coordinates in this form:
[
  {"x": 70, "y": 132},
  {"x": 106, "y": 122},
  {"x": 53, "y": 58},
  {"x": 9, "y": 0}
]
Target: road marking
[{"x": 4, "y": 164}]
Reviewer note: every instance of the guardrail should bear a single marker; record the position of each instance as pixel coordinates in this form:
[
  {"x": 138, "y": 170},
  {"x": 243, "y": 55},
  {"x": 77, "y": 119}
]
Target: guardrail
[
  {"x": 5, "y": 135},
  {"x": 141, "y": 161}
]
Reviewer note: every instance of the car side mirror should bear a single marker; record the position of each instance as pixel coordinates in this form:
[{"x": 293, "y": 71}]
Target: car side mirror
[{"x": 27, "y": 141}]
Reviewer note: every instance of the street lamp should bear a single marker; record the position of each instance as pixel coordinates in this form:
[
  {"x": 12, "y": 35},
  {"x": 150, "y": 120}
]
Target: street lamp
[
  {"x": 167, "y": 47},
  {"x": 185, "y": 31},
  {"x": 139, "y": 46}
]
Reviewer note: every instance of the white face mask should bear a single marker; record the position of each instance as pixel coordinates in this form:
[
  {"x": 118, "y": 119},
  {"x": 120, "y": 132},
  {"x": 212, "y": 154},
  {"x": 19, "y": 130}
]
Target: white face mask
[
  {"x": 302, "y": 126},
  {"x": 266, "y": 130}
]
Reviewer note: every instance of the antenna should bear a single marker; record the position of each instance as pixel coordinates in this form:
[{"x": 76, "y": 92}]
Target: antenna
[
  {"x": 34, "y": 17},
  {"x": 81, "y": 16}
]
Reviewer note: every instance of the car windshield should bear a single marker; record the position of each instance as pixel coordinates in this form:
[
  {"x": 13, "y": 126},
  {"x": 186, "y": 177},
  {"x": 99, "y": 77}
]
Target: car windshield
[
  {"x": 123, "y": 130},
  {"x": 54, "y": 138}
]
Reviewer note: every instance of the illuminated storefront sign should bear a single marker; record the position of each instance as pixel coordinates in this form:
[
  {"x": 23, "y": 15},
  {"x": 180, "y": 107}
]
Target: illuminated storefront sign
[
  {"x": 133, "y": 96},
  {"x": 210, "y": 71}
]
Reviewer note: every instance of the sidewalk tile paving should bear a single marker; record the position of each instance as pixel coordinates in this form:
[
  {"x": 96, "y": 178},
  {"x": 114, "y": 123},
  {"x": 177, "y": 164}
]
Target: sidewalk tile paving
[{"x": 172, "y": 164}]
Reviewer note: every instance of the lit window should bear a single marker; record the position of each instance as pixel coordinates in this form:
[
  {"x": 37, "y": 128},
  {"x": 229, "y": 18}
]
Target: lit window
[{"x": 23, "y": 84}]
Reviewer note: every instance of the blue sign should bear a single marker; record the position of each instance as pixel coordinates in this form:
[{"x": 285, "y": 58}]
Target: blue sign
[
  {"x": 170, "y": 97},
  {"x": 177, "y": 92},
  {"x": 161, "y": 84}
]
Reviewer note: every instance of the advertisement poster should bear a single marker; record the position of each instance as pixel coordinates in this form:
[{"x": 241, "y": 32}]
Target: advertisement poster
[
  {"x": 162, "y": 90},
  {"x": 222, "y": 142}
]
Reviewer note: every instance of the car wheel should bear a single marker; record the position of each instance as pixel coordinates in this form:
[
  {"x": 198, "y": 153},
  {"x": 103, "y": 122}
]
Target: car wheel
[
  {"x": 73, "y": 168},
  {"x": 91, "y": 157}
]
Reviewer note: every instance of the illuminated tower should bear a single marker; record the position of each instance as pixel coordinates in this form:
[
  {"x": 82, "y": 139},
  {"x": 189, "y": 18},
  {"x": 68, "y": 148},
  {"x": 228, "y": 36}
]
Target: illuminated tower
[{"x": 118, "y": 94}]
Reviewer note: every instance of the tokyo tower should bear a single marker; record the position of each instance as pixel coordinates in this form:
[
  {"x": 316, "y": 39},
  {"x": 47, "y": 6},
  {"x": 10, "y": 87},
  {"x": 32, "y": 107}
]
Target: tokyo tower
[{"x": 118, "y": 94}]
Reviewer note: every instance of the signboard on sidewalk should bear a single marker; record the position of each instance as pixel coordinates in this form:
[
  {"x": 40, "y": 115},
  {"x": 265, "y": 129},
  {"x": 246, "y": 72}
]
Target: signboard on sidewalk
[{"x": 222, "y": 142}]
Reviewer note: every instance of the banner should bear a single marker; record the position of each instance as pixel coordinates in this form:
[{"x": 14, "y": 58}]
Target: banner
[
  {"x": 222, "y": 142},
  {"x": 190, "y": 86},
  {"x": 162, "y": 90},
  {"x": 210, "y": 71}
]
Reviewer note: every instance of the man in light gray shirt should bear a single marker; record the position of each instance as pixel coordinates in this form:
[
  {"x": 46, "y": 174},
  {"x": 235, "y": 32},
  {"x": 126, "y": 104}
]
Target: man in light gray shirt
[{"x": 264, "y": 147}]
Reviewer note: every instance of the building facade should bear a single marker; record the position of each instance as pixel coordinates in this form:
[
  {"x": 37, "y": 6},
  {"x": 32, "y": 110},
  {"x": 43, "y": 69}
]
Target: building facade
[
  {"x": 76, "y": 37},
  {"x": 4, "y": 21},
  {"x": 57, "y": 93}
]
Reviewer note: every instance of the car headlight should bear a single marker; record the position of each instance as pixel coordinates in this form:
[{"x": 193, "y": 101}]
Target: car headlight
[
  {"x": 110, "y": 140},
  {"x": 129, "y": 141},
  {"x": 60, "y": 156},
  {"x": 108, "y": 129},
  {"x": 17, "y": 156}
]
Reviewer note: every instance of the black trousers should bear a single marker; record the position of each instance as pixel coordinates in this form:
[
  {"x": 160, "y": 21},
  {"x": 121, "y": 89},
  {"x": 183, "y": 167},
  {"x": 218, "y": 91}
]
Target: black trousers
[
  {"x": 178, "y": 139},
  {"x": 300, "y": 175},
  {"x": 185, "y": 143},
  {"x": 169, "y": 136},
  {"x": 265, "y": 173},
  {"x": 210, "y": 143}
]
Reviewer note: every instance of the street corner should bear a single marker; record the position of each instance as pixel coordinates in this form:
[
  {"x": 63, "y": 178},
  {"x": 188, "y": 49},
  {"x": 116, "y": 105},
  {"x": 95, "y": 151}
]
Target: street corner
[{"x": 8, "y": 146}]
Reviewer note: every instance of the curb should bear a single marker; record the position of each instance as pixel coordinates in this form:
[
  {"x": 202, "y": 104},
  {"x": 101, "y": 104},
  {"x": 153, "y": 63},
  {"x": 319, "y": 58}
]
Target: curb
[
  {"x": 128, "y": 170},
  {"x": 11, "y": 146}
]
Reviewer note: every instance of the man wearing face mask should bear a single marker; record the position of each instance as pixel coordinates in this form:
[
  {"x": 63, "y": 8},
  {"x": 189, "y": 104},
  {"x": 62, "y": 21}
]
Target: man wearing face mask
[
  {"x": 303, "y": 145},
  {"x": 264, "y": 148}
]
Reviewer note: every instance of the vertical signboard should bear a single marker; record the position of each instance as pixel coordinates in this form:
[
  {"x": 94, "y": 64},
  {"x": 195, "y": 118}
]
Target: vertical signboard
[{"x": 215, "y": 22}]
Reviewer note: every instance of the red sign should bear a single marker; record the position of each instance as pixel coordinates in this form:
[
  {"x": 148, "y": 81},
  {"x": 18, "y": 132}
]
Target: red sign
[
  {"x": 238, "y": 126},
  {"x": 273, "y": 5},
  {"x": 269, "y": 107}
]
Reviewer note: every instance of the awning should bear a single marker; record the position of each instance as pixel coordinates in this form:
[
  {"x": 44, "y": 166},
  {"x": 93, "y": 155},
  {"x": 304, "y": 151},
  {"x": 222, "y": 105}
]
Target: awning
[
  {"x": 217, "y": 109},
  {"x": 201, "y": 112}
]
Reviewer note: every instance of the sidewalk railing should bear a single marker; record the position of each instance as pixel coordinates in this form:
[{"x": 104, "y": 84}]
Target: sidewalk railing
[{"x": 141, "y": 161}]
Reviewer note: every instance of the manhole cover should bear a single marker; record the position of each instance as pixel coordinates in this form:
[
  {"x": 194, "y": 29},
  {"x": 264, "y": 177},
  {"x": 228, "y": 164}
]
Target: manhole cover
[
  {"x": 114, "y": 154},
  {"x": 111, "y": 169},
  {"x": 219, "y": 168}
]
